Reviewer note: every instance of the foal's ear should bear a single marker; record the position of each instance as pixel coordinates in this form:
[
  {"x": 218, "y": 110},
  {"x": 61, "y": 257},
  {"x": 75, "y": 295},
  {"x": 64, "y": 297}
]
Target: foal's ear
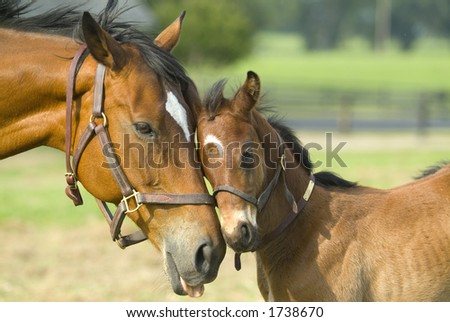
[
  {"x": 102, "y": 46},
  {"x": 168, "y": 38},
  {"x": 248, "y": 95}
]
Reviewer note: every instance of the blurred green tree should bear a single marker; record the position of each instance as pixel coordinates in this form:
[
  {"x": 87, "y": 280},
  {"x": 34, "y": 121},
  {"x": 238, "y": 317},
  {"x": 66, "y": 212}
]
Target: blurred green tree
[
  {"x": 412, "y": 19},
  {"x": 324, "y": 24},
  {"x": 270, "y": 15},
  {"x": 214, "y": 32}
]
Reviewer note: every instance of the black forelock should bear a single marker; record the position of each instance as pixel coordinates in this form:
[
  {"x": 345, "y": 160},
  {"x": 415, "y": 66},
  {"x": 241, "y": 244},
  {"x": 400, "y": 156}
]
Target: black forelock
[{"x": 214, "y": 97}]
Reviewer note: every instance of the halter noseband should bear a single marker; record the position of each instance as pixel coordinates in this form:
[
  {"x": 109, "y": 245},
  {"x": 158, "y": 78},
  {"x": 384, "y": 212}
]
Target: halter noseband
[
  {"x": 261, "y": 201},
  {"x": 100, "y": 130}
]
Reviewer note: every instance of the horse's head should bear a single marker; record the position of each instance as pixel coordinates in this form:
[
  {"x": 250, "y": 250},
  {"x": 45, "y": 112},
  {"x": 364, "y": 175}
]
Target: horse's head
[
  {"x": 148, "y": 112},
  {"x": 235, "y": 159}
]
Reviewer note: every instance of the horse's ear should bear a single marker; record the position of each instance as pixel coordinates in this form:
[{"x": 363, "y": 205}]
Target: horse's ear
[
  {"x": 248, "y": 95},
  {"x": 102, "y": 46},
  {"x": 169, "y": 37}
]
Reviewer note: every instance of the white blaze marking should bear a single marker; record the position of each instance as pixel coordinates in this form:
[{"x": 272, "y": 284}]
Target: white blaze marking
[
  {"x": 177, "y": 111},
  {"x": 212, "y": 139}
]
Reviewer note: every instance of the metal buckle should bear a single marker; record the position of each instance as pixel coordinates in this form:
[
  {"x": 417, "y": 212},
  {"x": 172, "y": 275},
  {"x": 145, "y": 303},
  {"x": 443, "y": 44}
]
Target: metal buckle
[
  {"x": 125, "y": 200},
  {"x": 105, "y": 120},
  {"x": 74, "y": 177}
]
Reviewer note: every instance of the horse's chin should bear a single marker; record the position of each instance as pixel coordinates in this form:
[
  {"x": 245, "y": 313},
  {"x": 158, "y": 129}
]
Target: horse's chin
[{"x": 179, "y": 285}]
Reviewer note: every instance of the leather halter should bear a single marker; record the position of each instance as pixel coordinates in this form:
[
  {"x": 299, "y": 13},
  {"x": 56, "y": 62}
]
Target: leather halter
[
  {"x": 100, "y": 130},
  {"x": 261, "y": 201}
]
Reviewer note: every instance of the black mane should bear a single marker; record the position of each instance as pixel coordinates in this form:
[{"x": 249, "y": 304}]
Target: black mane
[
  {"x": 213, "y": 101},
  {"x": 292, "y": 141},
  {"x": 66, "y": 21},
  {"x": 323, "y": 178},
  {"x": 432, "y": 169}
]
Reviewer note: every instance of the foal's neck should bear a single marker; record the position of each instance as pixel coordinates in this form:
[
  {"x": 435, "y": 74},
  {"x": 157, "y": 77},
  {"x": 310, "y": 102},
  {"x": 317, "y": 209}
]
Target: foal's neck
[
  {"x": 34, "y": 73},
  {"x": 294, "y": 179}
]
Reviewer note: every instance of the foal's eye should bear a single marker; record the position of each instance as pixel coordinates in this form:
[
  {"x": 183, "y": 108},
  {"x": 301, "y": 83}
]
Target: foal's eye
[
  {"x": 247, "y": 158},
  {"x": 144, "y": 129}
]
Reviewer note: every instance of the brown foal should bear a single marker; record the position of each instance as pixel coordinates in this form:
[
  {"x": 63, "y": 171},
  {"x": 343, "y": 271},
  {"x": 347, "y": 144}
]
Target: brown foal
[{"x": 334, "y": 240}]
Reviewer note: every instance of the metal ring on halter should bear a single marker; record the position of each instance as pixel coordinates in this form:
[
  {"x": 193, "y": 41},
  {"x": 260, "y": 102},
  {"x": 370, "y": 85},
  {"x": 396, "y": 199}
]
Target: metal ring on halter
[
  {"x": 283, "y": 162},
  {"x": 74, "y": 181},
  {"x": 105, "y": 120}
]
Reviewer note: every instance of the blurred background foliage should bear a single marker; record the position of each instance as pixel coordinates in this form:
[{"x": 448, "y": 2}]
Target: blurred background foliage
[
  {"x": 218, "y": 31},
  {"x": 222, "y": 31},
  {"x": 329, "y": 64}
]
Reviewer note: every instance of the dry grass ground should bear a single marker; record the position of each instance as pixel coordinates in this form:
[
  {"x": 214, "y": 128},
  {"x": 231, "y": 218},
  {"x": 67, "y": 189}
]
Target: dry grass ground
[
  {"x": 52, "y": 251},
  {"x": 82, "y": 264}
]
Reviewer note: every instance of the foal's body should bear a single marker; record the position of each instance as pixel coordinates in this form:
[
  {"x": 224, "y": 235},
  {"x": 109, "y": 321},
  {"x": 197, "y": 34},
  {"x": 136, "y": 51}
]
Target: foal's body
[
  {"x": 349, "y": 243},
  {"x": 362, "y": 244}
]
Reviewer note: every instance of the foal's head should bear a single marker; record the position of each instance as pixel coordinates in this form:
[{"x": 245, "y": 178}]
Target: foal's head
[{"x": 239, "y": 149}]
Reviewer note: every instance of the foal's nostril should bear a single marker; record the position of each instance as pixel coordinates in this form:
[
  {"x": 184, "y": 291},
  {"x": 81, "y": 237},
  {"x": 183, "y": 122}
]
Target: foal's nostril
[
  {"x": 203, "y": 258},
  {"x": 246, "y": 235}
]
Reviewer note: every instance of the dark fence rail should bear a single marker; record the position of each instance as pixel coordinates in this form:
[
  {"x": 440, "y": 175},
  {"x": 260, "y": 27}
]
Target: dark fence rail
[{"x": 351, "y": 110}]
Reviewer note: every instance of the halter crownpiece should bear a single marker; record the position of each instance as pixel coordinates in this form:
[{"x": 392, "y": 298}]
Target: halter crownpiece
[{"x": 128, "y": 192}]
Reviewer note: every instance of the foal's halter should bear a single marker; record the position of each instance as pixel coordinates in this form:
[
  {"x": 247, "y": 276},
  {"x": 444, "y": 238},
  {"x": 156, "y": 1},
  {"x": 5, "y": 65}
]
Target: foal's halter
[
  {"x": 261, "y": 201},
  {"x": 100, "y": 130}
]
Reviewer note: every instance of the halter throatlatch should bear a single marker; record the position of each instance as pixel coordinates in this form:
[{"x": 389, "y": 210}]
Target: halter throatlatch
[
  {"x": 261, "y": 201},
  {"x": 132, "y": 200}
]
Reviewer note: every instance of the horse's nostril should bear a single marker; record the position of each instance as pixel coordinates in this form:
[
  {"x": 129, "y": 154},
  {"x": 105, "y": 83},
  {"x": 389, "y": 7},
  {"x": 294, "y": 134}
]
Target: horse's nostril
[{"x": 203, "y": 258}]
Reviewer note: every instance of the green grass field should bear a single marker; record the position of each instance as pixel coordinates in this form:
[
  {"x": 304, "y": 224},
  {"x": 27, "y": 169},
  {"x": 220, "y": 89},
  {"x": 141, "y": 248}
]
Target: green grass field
[{"x": 280, "y": 62}]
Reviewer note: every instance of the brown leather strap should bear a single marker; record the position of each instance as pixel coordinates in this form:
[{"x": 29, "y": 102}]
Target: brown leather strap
[
  {"x": 237, "y": 261},
  {"x": 122, "y": 210},
  {"x": 176, "y": 199},
  {"x": 72, "y": 190},
  {"x": 122, "y": 241},
  {"x": 292, "y": 215},
  {"x": 85, "y": 138},
  {"x": 125, "y": 187},
  {"x": 99, "y": 85},
  {"x": 263, "y": 198},
  {"x": 261, "y": 201},
  {"x": 237, "y": 192}
]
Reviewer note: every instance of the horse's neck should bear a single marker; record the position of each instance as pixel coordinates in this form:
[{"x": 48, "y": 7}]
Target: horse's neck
[{"x": 33, "y": 76}]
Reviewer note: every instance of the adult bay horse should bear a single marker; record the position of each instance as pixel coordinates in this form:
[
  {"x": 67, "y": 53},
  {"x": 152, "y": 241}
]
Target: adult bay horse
[
  {"x": 65, "y": 88},
  {"x": 319, "y": 237}
]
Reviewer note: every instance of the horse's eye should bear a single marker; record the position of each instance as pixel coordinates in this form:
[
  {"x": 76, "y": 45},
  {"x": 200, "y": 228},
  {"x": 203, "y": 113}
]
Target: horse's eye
[{"x": 144, "y": 129}]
